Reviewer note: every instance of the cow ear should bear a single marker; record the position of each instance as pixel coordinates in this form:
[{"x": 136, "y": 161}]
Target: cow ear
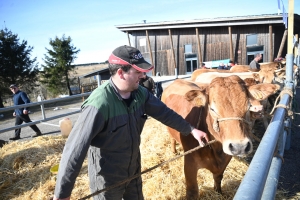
[
  {"x": 263, "y": 91},
  {"x": 197, "y": 97}
]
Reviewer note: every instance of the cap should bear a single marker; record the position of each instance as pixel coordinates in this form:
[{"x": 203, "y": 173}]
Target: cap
[
  {"x": 13, "y": 85},
  {"x": 127, "y": 55}
]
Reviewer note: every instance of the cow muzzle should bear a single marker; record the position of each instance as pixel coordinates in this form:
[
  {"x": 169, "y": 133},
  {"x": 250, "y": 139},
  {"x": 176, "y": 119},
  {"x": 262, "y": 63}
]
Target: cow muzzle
[
  {"x": 232, "y": 147},
  {"x": 237, "y": 148}
]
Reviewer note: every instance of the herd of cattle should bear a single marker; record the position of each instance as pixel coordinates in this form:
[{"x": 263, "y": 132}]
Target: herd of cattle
[{"x": 224, "y": 104}]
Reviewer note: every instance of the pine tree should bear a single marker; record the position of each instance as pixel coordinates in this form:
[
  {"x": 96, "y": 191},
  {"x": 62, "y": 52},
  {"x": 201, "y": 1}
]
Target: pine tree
[
  {"x": 58, "y": 65},
  {"x": 16, "y": 66}
]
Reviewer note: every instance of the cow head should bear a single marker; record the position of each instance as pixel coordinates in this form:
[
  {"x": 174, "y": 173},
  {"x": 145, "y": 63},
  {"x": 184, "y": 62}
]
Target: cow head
[{"x": 229, "y": 105}]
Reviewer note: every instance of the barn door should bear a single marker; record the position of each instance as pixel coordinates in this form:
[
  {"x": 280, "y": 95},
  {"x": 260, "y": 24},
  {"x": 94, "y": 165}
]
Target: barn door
[{"x": 191, "y": 65}]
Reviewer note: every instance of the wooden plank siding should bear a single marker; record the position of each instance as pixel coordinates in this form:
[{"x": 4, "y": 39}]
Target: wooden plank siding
[{"x": 214, "y": 44}]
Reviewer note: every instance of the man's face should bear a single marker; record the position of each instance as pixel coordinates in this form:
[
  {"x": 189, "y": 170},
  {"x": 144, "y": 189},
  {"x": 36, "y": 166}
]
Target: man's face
[
  {"x": 259, "y": 57},
  {"x": 14, "y": 89},
  {"x": 132, "y": 78}
]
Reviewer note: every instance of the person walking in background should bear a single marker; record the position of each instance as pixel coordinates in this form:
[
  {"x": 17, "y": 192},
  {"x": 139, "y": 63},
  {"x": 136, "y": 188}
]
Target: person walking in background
[
  {"x": 21, "y": 114},
  {"x": 147, "y": 82},
  {"x": 109, "y": 129},
  {"x": 254, "y": 63}
]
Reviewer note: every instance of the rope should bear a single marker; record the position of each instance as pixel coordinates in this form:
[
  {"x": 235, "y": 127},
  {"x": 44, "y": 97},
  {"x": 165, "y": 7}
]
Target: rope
[
  {"x": 147, "y": 170},
  {"x": 232, "y": 118},
  {"x": 284, "y": 91},
  {"x": 216, "y": 120}
]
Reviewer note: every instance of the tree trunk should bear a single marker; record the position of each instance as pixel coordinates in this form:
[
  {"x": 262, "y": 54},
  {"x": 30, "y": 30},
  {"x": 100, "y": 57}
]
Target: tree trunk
[
  {"x": 1, "y": 102},
  {"x": 68, "y": 84}
]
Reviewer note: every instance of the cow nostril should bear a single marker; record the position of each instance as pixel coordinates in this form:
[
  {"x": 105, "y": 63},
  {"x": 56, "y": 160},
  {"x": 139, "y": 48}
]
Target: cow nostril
[
  {"x": 248, "y": 147},
  {"x": 231, "y": 148}
]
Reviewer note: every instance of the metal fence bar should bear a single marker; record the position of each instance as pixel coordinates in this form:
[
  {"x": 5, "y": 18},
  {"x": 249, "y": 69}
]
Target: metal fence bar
[
  {"x": 39, "y": 121},
  {"x": 254, "y": 180},
  {"x": 273, "y": 176},
  {"x": 42, "y": 103},
  {"x": 253, "y": 184}
]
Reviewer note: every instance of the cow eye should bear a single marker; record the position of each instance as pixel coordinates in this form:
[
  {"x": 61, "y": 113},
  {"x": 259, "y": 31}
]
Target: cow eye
[
  {"x": 213, "y": 110},
  {"x": 249, "y": 107}
]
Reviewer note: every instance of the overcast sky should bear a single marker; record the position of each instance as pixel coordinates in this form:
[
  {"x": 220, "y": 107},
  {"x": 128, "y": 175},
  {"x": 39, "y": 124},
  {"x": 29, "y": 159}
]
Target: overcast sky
[{"x": 91, "y": 23}]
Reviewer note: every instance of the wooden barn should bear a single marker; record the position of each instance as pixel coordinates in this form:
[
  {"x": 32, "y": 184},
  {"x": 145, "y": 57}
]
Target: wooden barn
[{"x": 180, "y": 47}]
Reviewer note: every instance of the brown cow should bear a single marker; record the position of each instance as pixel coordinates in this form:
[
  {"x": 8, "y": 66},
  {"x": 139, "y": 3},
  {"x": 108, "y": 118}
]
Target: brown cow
[{"x": 221, "y": 109}]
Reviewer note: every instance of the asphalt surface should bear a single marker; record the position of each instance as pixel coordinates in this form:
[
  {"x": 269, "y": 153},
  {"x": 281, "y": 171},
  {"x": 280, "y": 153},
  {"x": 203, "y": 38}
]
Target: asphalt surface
[{"x": 289, "y": 179}]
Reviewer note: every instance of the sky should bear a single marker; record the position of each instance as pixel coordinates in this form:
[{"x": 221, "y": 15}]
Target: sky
[{"x": 91, "y": 24}]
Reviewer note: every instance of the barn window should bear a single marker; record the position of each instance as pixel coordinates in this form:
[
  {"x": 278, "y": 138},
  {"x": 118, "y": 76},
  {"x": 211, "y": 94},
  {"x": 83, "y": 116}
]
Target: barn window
[
  {"x": 251, "y": 39},
  {"x": 188, "y": 48}
]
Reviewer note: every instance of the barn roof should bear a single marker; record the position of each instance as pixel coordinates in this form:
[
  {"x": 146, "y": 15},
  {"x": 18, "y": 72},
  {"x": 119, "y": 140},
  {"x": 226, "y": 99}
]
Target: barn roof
[
  {"x": 209, "y": 22},
  {"x": 97, "y": 72}
]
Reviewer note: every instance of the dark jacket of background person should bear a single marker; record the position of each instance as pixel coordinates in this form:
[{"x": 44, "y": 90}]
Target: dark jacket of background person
[
  {"x": 148, "y": 83},
  {"x": 20, "y": 98}
]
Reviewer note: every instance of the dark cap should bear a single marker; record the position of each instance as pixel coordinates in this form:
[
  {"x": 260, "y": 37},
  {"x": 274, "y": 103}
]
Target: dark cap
[
  {"x": 126, "y": 55},
  {"x": 13, "y": 85}
]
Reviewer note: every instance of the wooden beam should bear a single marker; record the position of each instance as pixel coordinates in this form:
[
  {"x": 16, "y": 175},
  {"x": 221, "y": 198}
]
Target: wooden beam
[
  {"x": 290, "y": 27},
  {"x": 271, "y": 43},
  {"x": 128, "y": 38},
  {"x": 282, "y": 43},
  {"x": 150, "y": 51},
  {"x": 231, "y": 44},
  {"x": 199, "y": 50},
  {"x": 173, "y": 53}
]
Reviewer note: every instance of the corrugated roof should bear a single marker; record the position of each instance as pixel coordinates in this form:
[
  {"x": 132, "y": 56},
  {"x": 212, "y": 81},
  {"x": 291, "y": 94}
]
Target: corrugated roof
[
  {"x": 94, "y": 73},
  {"x": 207, "y": 22}
]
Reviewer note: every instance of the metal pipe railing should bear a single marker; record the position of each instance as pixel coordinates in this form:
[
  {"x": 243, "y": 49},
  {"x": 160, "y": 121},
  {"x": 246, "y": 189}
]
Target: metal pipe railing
[
  {"x": 263, "y": 166},
  {"x": 273, "y": 176},
  {"x": 42, "y": 103}
]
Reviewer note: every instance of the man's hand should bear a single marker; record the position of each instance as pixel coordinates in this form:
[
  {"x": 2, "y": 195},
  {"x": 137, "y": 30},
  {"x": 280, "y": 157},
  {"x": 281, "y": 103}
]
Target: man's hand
[
  {"x": 25, "y": 112},
  {"x": 14, "y": 114},
  {"x": 54, "y": 198},
  {"x": 200, "y": 136}
]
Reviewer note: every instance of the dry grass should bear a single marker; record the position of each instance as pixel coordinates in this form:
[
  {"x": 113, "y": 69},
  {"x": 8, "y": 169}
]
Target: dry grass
[{"x": 25, "y": 170}]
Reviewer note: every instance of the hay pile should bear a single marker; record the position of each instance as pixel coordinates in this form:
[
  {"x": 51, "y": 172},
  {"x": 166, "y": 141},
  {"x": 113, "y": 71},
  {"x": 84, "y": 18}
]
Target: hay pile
[{"x": 25, "y": 170}]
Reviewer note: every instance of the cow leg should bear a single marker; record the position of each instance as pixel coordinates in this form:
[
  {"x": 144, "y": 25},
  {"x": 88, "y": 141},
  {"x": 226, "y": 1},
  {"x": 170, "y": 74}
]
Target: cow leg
[
  {"x": 190, "y": 171},
  {"x": 217, "y": 182},
  {"x": 173, "y": 145}
]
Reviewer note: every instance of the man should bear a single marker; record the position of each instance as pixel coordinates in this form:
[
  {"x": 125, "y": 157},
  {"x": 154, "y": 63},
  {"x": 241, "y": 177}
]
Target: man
[
  {"x": 221, "y": 66},
  {"x": 147, "y": 82},
  {"x": 203, "y": 66},
  {"x": 254, "y": 63},
  {"x": 109, "y": 129},
  {"x": 21, "y": 114}
]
